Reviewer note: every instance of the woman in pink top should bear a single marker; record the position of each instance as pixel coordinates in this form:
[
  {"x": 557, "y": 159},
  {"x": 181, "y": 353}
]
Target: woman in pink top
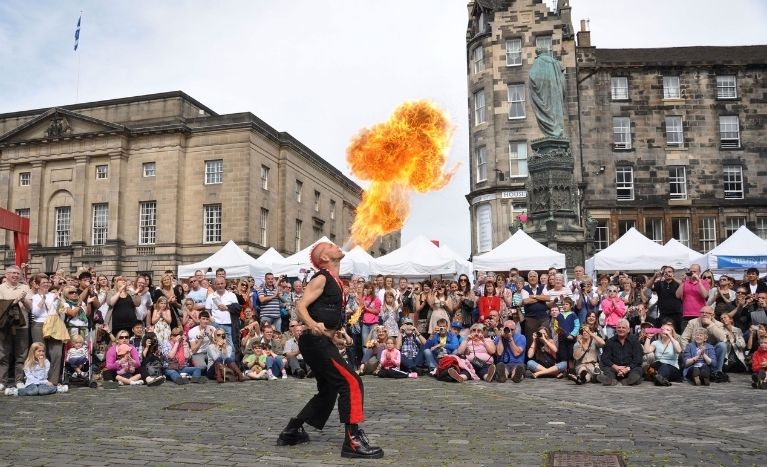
[
  {"x": 693, "y": 293},
  {"x": 479, "y": 351},
  {"x": 388, "y": 366},
  {"x": 613, "y": 309},
  {"x": 371, "y": 309}
]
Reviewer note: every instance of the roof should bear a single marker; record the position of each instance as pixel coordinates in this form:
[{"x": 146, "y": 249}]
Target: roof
[{"x": 733, "y": 55}]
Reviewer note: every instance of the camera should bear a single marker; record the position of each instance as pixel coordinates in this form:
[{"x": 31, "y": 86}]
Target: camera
[
  {"x": 582, "y": 286},
  {"x": 536, "y": 335},
  {"x": 688, "y": 274},
  {"x": 506, "y": 330}
]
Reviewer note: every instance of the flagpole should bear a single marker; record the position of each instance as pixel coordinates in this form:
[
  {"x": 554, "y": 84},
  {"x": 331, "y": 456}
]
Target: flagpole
[{"x": 77, "y": 88}]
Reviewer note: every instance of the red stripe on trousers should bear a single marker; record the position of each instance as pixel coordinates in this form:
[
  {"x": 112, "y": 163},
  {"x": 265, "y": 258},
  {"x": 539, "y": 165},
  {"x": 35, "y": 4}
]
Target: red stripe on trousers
[{"x": 355, "y": 396}]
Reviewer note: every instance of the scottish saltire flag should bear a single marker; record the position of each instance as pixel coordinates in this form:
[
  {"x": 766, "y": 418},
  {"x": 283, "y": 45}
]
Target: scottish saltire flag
[{"x": 77, "y": 32}]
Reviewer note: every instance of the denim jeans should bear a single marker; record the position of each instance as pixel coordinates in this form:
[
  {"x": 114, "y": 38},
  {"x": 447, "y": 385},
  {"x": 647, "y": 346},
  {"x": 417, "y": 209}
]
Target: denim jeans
[
  {"x": 426, "y": 356},
  {"x": 275, "y": 364},
  {"x": 173, "y": 375},
  {"x": 720, "y": 349},
  {"x": 276, "y": 322},
  {"x": 366, "y": 328},
  {"x": 37, "y": 390},
  {"x": 408, "y": 364}
]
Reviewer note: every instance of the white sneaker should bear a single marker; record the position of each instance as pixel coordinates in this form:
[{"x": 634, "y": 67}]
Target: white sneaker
[
  {"x": 284, "y": 376},
  {"x": 11, "y": 392},
  {"x": 136, "y": 383},
  {"x": 2, "y": 387},
  {"x": 62, "y": 388},
  {"x": 272, "y": 377},
  {"x": 20, "y": 385}
]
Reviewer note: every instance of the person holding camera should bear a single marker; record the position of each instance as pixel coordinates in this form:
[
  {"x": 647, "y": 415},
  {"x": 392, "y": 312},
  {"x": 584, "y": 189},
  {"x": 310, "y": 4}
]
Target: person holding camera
[
  {"x": 269, "y": 301},
  {"x": 621, "y": 358},
  {"x": 586, "y": 353},
  {"x": 665, "y": 285},
  {"x": 409, "y": 342},
  {"x": 479, "y": 350},
  {"x": 542, "y": 355},
  {"x": 693, "y": 293},
  {"x": 510, "y": 350},
  {"x": 716, "y": 337},
  {"x": 440, "y": 344},
  {"x": 665, "y": 349}
]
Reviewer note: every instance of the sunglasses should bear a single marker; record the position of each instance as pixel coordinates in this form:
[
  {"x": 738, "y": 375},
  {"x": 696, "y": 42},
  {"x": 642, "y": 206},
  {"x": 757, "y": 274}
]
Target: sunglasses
[
  {"x": 122, "y": 337},
  {"x": 740, "y": 292},
  {"x": 476, "y": 331},
  {"x": 220, "y": 335},
  {"x": 72, "y": 293}
]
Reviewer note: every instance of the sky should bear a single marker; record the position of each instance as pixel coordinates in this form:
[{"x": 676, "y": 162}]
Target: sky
[{"x": 319, "y": 69}]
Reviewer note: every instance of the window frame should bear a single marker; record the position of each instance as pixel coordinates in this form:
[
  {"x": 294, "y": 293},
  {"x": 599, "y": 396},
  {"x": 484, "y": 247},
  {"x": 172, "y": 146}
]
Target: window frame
[
  {"x": 721, "y": 87},
  {"x": 480, "y": 155},
  {"x": 678, "y": 181},
  {"x": 332, "y": 209},
  {"x": 482, "y": 210},
  {"x": 478, "y": 59},
  {"x": 728, "y": 171},
  {"x": 512, "y": 53},
  {"x": 99, "y": 231},
  {"x": 626, "y": 133},
  {"x": 656, "y": 227},
  {"x": 149, "y": 169},
  {"x": 730, "y": 224},
  {"x": 105, "y": 172},
  {"x": 62, "y": 226},
  {"x": 299, "y": 190},
  {"x": 514, "y": 157},
  {"x": 317, "y": 200},
  {"x": 479, "y": 108},
  {"x": 214, "y": 172},
  {"x": 760, "y": 227},
  {"x": 147, "y": 225},
  {"x": 297, "y": 239},
  {"x": 212, "y": 220},
  {"x": 601, "y": 234},
  {"x": 263, "y": 220},
  {"x": 730, "y": 142},
  {"x": 25, "y": 178},
  {"x": 672, "y": 129},
  {"x": 676, "y": 226},
  {"x": 614, "y": 88},
  {"x": 670, "y": 91},
  {"x": 621, "y": 184},
  {"x": 519, "y": 103},
  {"x": 264, "y": 177},
  {"x": 707, "y": 225},
  {"x": 545, "y": 37}
]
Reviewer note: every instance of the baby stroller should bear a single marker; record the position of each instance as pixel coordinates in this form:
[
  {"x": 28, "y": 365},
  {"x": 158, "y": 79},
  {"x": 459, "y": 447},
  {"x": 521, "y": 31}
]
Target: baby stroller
[{"x": 84, "y": 377}]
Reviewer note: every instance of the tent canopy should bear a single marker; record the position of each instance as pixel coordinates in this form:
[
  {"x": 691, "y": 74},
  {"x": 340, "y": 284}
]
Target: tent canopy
[
  {"x": 634, "y": 252},
  {"x": 269, "y": 257},
  {"x": 742, "y": 250},
  {"x": 464, "y": 265},
  {"x": 356, "y": 262},
  {"x": 675, "y": 246},
  {"x": 420, "y": 257},
  {"x": 520, "y": 251},
  {"x": 232, "y": 258},
  {"x": 293, "y": 264}
]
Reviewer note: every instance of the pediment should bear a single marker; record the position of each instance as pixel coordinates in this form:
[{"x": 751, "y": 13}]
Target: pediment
[{"x": 56, "y": 124}]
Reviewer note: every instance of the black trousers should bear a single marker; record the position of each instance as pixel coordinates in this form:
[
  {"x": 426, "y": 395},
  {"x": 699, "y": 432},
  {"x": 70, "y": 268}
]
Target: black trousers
[{"x": 335, "y": 380}]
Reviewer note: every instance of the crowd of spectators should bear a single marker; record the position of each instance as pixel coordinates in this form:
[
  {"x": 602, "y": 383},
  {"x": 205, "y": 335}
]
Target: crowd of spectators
[{"x": 666, "y": 327}]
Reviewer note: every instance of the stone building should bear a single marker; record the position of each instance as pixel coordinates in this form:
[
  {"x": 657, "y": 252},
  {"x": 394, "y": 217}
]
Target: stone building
[
  {"x": 670, "y": 141},
  {"x": 149, "y": 182}
]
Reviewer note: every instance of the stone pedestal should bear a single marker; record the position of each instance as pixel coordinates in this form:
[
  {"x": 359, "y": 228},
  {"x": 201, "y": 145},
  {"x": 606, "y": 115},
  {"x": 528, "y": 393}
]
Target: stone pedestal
[{"x": 552, "y": 198}]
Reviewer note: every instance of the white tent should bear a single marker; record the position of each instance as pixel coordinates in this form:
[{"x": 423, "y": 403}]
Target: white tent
[
  {"x": 675, "y": 246},
  {"x": 520, "y": 251},
  {"x": 464, "y": 265},
  {"x": 293, "y": 265},
  {"x": 420, "y": 257},
  {"x": 269, "y": 257},
  {"x": 634, "y": 252},
  {"x": 356, "y": 262},
  {"x": 232, "y": 258},
  {"x": 742, "y": 250}
]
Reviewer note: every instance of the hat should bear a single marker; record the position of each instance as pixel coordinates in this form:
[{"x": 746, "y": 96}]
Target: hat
[
  {"x": 123, "y": 349},
  {"x": 407, "y": 321},
  {"x": 456, "y": 325}
]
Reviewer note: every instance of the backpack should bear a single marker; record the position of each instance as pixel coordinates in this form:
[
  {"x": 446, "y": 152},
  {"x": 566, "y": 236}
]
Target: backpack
[{"x": 11, "y": 315}]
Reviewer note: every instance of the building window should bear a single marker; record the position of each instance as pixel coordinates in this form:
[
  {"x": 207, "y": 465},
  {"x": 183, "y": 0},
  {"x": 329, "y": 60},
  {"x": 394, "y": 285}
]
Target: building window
[
  {"x": 214, "y": 172},
  {"x": 601, "y": 235},
  {"x": 671, "y": 87},
  {"x": 624, "y": 183},
  {"x": 148, "y": 169},
  {"x": 733, "y": 182},
  {"x": 100, "y": 219},
  {"x": 481, "y": 156},
  {"x": 677, "y": 182},
  {"x": 316, "y": 201},
  {"x": 264, "y": 177},
  {"x": 653, "y": 229},
  {"x": 516, "y": 93},
  {"x": 332, "y": 210},
  {"x": 674, "y": 133},
  {"x": 543, "y": 42},
  {"x": 761, "y": 227},
  {"x": 626, "y": 225},
  {"x": 147, "y": 223},
  {"x": 479, "y": 107},
  {"x": 731, "y": 224},
  {"x": 726, "y": 87},
  {"x": 297, "y": 241},
  {"x": 299, "y": 190},
  {"x": 25, "y": 178},
  {"x": 478, "y": 57},
  {"x": 264, "y": 225},
  {"x": 513, "y": 52},
  {"x": 621, "y": 133},
  {"x": 102, "y": 172},
  {"x": 484, "y": 228},
  {"x": 729, "y": 131},
  {"x": 317, "y": 232},
  {"x": 680, "y": 230},
  {"x": 211, "y": 231},
  {"x": 707, "y": 233},
  {"x": 518, "y": 159},
  {"x": 619, "y": 88},
  {"x": 24, "y": 212},
  {"x": 62, "y": 222}
]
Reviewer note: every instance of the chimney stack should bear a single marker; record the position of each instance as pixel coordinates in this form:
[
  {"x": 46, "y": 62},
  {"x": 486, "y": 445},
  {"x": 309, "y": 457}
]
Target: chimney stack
[{"x": 584, "y": 35}]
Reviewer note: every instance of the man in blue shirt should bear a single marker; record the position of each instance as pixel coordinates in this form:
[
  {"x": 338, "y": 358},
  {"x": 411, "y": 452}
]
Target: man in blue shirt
[{"x": 510, "y": 349}]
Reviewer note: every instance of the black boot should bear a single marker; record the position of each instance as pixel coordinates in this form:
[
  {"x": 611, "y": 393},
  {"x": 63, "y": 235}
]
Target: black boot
[
  {"x": 293, "y": 434},
  {"x": 356, "y": 445}
]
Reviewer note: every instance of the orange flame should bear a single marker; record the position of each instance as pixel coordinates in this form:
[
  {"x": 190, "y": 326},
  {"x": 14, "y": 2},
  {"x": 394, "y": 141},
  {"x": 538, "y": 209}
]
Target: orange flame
[{"x": 407, "y": 152}]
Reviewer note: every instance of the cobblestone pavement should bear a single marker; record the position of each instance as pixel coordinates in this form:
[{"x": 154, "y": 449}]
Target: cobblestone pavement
[{"x": 417, "y": 422}]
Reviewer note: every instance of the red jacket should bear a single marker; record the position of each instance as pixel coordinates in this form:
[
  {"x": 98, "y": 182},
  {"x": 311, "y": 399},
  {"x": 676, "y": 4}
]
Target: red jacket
[
  {"x": 759, "y": 357},
  {"x": 488, "y": 304}
]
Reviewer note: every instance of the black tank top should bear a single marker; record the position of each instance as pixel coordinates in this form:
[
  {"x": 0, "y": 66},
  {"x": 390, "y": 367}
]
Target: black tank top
[{"x": 328, "y": 308}]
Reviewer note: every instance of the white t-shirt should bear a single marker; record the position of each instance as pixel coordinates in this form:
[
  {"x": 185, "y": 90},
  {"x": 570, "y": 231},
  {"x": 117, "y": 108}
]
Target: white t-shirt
[
  {"x": 195, "y": 333},
  {"x": 143, "y": 308},
  {"x": 211, "y": 304},
  {"x": 40, "y": 312}
]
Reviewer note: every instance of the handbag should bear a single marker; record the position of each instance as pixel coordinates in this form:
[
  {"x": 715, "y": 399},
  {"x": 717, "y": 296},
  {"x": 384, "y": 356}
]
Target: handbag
[{"x": 54, "y": 328}]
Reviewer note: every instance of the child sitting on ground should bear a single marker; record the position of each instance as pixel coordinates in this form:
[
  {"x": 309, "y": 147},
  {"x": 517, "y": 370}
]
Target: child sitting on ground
[
  {"x": 77, "y": 357},
  {"x": 36, "y": 369},
  {"x": 255, "y": 362},
  {"x": 388, "y": 367},
  {"x": 759, "y": 365}
]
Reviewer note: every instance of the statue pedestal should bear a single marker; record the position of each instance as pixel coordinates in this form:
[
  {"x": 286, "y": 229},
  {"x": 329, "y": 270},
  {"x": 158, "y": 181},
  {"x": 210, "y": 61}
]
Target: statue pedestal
[{"x": 552, "y": 197}]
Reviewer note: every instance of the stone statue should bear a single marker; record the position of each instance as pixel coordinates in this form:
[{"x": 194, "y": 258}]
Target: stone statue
[{"x": 547, "y": 89}]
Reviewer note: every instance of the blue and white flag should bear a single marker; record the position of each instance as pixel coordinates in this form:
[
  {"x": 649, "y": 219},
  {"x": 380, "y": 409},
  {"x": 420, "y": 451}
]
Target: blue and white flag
[{"x": 77, "y": 32}]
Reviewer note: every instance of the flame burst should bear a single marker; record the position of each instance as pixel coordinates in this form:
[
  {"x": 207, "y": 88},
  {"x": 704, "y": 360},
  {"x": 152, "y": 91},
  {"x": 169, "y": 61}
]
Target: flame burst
[{"x": 407, "y": 152}]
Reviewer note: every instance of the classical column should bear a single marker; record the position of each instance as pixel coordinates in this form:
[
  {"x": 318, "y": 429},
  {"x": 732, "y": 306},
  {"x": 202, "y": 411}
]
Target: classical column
[
  {"x": 37, "y": 209},
  {"x": 79, "y": 220}
]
